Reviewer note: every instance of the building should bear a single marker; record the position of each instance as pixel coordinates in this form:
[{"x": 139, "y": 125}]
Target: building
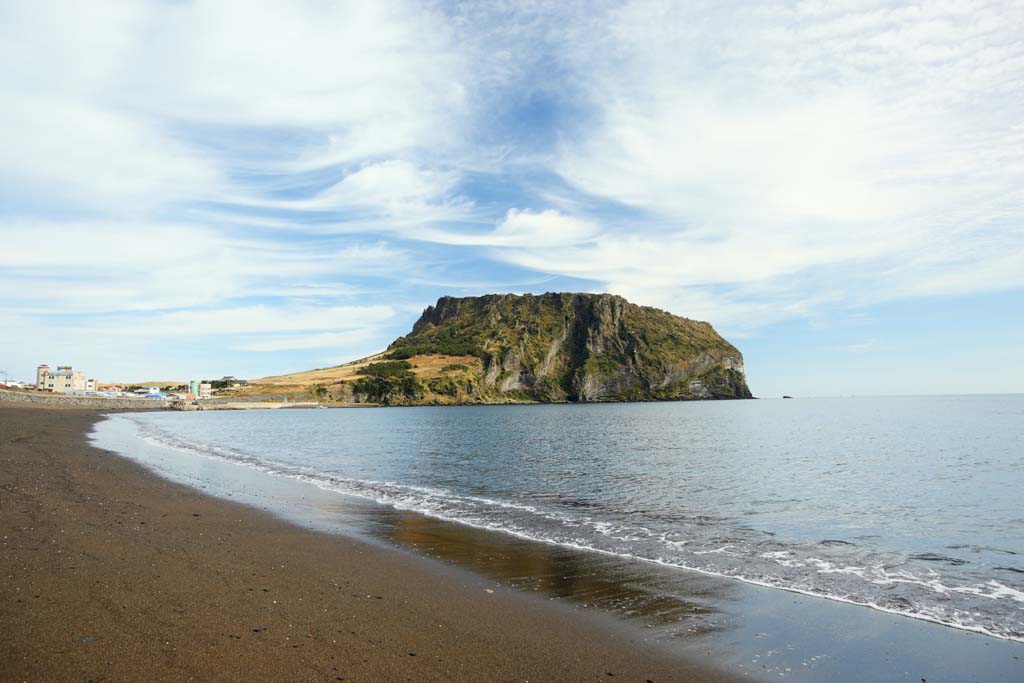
[
  {"x": 63, "y": 380},
  {"x": 205, "y": 390},
  {"x": 193, "y": 387},
  {"x": 149, "y": 392}
]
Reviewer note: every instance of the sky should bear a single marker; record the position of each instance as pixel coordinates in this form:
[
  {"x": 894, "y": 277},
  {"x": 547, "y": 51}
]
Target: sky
[{"x": 197, "y": 189}]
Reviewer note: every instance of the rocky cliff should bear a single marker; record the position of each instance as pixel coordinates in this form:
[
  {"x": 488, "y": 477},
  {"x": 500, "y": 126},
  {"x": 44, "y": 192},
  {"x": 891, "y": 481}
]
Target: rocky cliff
[{"x": 553, "y": 347}]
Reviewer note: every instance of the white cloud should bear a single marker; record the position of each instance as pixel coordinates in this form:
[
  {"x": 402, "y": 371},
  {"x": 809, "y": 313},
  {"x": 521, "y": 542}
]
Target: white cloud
[
  {"x": 124, "y": 108},
  {"x": 540, "y": 229},
  {"x": 393, "y": 184},
  {"x": 518, "y": 229},
  {"x": 381, "y": 76},
  {"x": 104, "y": 267},
  {"x": 394, "y": 196},
  {"x": 375, "y": 77},
  {"x": 258, "y": 318},
  {"x": 323, "y": 340},
  {"x": 74, "y": 153}
]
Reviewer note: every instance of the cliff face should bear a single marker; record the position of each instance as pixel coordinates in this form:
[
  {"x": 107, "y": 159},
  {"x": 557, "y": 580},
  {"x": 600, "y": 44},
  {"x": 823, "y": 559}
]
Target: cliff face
[{"x": 565, "y": 347}]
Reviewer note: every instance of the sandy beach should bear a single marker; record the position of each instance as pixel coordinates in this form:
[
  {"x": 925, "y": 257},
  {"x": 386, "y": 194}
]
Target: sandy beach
[{"x": 111, "y": 573}]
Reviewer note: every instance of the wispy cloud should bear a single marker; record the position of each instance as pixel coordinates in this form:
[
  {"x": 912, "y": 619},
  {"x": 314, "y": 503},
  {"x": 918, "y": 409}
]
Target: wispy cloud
[
  {"x": 861, "y": 347},
  {"x": 364, "y": 337}
]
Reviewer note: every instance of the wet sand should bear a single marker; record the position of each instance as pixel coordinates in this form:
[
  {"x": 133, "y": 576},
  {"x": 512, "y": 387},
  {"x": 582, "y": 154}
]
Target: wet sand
[{"x": 111, "y": 573}]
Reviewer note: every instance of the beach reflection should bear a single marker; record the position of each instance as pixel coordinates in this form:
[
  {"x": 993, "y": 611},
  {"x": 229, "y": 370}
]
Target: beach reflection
[{"x": 674, "y": 603}]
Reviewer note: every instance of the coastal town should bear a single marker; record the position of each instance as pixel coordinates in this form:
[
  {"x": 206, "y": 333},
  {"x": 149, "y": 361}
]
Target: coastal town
[{"x": 65, "y": 380}]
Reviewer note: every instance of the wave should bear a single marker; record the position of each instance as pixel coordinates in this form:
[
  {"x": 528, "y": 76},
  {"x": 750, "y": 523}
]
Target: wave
[{"x": 874, "y": 585}]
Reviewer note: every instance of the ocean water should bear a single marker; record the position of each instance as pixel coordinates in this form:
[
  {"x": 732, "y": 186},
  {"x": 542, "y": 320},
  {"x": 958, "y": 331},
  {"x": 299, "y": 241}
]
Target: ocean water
[{"x": 912, "y": 505}]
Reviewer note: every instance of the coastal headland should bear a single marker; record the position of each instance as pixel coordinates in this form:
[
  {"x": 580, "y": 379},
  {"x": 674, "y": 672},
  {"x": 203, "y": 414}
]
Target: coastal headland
[
  {"x": 111, "y": 573},
  {"x": 549, "y": 348}
]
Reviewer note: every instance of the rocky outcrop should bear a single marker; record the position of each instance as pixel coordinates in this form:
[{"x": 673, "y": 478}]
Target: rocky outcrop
[{"x": 575, "y": 347}]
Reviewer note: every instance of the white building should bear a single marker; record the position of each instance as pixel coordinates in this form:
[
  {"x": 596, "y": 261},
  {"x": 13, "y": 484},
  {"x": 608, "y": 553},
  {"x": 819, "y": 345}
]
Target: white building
[
  {"x": 205, "y": 390},
  {"x": 63, "y": 380}
]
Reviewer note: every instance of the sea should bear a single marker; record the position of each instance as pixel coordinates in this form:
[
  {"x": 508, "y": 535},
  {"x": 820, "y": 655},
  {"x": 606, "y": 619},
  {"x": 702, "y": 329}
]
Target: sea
[{"x": 912, "y": 506}]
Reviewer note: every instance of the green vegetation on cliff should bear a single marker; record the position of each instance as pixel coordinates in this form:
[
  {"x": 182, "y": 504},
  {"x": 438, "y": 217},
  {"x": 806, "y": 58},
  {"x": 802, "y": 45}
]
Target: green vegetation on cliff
[
  {"x": 388, "y": 382},
  {"x": 555, "y": 347},
  {"x": 395, "y": 368}
]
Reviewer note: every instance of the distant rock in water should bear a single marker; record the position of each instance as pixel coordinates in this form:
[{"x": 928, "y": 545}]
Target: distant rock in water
[{"x": 555, "y": 347}]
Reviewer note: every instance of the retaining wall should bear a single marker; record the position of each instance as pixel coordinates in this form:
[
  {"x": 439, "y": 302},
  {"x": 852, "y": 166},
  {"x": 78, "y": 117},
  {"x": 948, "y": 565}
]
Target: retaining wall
[{"x": 45, "y": 400}]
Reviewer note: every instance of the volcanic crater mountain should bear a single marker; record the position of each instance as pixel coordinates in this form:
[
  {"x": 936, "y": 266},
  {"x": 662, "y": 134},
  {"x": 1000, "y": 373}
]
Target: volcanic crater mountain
[{"x": 552, "y": 347}]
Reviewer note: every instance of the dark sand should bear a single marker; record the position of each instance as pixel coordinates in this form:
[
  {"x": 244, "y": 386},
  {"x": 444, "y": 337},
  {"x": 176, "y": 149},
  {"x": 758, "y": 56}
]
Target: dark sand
[{"x": 109, "y": 573}]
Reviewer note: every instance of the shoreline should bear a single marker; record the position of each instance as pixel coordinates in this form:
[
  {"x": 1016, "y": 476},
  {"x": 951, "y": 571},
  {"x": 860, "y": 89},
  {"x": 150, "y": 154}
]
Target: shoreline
[
  {"x": 18, "y": 398},
  {"x": 13, "y": 398},
  {"x": 324, "y": 503},
  {"x": 113, "y": 572}
]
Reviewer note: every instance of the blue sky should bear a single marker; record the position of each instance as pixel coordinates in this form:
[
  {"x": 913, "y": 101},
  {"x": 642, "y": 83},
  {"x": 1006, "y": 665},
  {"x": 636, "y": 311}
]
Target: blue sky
[{"x": 208, "y": 188}]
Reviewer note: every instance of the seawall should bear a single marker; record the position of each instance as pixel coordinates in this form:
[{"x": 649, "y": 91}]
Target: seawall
[{"x": 89, "y": 402}]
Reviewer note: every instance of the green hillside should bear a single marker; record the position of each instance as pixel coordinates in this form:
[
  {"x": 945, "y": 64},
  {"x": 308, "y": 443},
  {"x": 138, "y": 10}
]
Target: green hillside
[{"x": 554, "y": 347}]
